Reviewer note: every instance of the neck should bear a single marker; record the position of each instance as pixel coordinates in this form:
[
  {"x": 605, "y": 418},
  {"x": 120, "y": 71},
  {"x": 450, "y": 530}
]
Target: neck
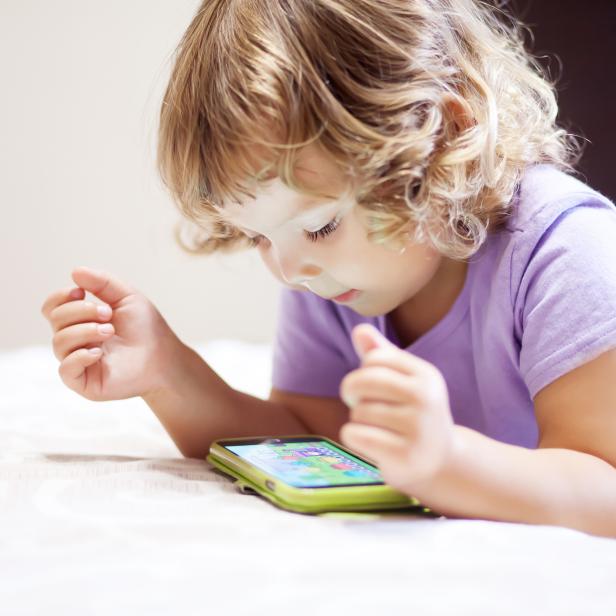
[{"x": 424, "y": 310}]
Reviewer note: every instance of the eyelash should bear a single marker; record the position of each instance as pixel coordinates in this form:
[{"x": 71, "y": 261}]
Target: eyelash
[
  {"x": 329, "y": 228},
  {"x": 312, "y": 236}
]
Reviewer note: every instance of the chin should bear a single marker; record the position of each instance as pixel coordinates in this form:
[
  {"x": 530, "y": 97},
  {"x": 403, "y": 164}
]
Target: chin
[{"x": 370, "y": 310}]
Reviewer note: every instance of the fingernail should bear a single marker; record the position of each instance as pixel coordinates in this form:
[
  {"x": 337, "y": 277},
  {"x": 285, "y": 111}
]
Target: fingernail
[
  {"x": 95, "y": 350},
  {"x": 349, "y": 400},
  {"x": 103, "y": 311},
  {"x": 107, "y": 328},
  {"x": 75, "y": 294}
]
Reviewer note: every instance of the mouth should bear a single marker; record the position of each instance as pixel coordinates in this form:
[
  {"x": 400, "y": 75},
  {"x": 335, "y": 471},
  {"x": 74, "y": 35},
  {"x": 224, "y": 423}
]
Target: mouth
[{"x": 347, "y": 296}]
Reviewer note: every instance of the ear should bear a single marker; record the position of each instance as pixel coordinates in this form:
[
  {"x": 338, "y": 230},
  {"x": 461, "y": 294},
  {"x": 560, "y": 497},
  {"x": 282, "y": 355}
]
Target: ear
[
  {"x": 459, "y": 111},
  {"x": 366, "y": 337}
]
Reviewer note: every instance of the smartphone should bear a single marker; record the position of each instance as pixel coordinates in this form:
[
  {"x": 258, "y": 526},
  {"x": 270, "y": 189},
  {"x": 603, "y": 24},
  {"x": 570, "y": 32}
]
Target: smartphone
[{"x": 307, "y": 474}]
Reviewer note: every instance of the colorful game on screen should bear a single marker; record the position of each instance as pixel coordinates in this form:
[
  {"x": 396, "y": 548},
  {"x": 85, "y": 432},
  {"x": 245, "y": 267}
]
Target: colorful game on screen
[{"x": 308, "y": 464}]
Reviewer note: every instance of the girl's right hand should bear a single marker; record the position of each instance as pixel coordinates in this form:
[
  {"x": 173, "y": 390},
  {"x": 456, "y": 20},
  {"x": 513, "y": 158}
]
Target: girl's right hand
[{"x": 133, "y": 357}]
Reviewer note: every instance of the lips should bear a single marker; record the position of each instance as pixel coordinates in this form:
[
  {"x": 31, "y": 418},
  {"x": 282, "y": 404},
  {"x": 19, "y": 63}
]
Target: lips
[{"x": 347, "y": 296}]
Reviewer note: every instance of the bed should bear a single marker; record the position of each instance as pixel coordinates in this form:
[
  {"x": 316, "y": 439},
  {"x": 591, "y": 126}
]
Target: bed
[{"x": 101, "y": 515}]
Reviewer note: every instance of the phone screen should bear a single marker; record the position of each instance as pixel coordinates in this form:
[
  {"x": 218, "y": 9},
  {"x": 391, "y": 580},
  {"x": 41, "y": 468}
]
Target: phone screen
[{"x": 308, "y": 463}]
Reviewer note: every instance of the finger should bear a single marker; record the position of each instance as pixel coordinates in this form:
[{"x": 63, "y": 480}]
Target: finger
[
  {"x": 365, "y": 337},
  {"x": 71, "y": 338},
  {"x": 375, "y": 443},
  {"x": 377, "y": 383},
  {"x": 397, "y": 359},
  {"x": 75, "y": 312},
  {"x": 68, "y": 294},
  {"x": 375, "y": 349},
  {"x": 73, "y": 369},
  {"x": 102, "y": 284},
  {"x": 395, "y": 458},
  {"x": 394, "y": 417}
]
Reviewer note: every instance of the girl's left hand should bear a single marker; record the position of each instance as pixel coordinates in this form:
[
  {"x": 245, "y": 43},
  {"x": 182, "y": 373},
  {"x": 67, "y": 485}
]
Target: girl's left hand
[{"x": 400, "y": 415}]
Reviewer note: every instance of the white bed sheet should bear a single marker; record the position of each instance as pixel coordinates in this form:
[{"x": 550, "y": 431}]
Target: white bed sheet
[{"x": 101, "y": 515}]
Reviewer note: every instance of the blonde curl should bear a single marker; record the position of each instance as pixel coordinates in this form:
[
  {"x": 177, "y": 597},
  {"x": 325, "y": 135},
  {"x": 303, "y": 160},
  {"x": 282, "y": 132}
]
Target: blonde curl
[{"x": 434, "y": 109}]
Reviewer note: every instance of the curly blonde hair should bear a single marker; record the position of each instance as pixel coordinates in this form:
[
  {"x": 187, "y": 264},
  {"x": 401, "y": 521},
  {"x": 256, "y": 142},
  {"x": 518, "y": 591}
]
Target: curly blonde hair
[{"x": 433, "y": 108}]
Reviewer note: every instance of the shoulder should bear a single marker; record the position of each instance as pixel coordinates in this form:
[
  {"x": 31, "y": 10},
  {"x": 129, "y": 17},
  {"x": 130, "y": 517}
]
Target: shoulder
[
  {"x": 545, "y": 193},
  {"x": 559, "y": 230},
  {"x": 562, "y": 275},
  {"x": 555, "y": 213}
]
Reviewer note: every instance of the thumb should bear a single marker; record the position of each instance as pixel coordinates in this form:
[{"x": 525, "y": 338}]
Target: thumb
[
  {"x": 366, "y": 337},
  {"x": 101, "y": 284}
]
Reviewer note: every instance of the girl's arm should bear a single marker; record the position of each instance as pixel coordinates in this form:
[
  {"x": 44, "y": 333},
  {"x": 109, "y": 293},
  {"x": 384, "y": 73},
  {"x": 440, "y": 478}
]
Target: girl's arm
[
  {"x": 400, "y": 418},
  {"x": 570, "y": 480},
  {"x": 197, "y": 407},
  {"x": 496, "y": 481}
]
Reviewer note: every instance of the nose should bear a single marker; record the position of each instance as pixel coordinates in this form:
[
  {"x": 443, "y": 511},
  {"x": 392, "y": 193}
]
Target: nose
[{"x": 295, "y": 268}]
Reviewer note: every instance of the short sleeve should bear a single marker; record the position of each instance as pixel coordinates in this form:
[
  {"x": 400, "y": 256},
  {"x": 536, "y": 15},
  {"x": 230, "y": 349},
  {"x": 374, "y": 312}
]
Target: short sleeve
[
  {"x": 566, "y": 303},
  {"x": 307, "y": 354}
]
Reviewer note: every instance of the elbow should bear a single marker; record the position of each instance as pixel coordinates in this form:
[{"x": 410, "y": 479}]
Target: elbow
[{"x": 194, "y": 452}]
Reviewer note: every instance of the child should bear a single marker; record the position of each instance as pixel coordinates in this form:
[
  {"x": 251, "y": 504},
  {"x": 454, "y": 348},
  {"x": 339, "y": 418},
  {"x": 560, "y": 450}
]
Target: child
[{"x": 398, "y": 167}]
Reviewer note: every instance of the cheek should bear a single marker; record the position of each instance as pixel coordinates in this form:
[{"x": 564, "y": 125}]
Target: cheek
[{"x": 361, "y": 258}]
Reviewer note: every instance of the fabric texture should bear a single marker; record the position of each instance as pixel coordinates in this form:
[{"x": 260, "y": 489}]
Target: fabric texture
[
  {"x": 101, "y": 515},
  {"x": 539, "y": 300}
]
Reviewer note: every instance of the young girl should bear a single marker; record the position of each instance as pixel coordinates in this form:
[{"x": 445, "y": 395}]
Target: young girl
[{"x": 449, "y": 291}]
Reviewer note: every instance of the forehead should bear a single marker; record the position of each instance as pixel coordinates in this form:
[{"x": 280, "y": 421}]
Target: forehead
[{"x": 318, "y": 172}]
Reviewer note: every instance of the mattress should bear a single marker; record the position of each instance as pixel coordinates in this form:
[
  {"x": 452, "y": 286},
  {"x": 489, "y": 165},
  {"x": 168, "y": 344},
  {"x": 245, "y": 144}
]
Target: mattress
[{"x": 100, "y": 514}]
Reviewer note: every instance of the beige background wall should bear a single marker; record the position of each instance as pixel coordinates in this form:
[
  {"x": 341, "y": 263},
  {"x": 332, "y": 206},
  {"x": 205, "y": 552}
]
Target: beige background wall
[{"x": 82, "y": 81}]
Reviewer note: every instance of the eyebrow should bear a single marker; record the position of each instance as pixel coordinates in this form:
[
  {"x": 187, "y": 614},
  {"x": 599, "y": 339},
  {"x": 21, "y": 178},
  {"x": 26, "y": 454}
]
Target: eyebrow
[{"x": 315, "y": 212}]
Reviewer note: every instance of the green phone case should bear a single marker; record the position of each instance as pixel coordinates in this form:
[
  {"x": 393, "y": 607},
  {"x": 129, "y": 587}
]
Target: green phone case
[{"x": 307, "y": 500}]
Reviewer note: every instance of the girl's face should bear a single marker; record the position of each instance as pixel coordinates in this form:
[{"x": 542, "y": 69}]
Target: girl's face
[{"x": 321, "y": 244}]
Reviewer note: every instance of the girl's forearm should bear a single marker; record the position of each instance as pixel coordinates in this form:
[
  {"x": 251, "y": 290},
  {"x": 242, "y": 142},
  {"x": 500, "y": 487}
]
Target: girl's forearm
[
  {"x": 197, "y": 407},
  {"x": 492, "y": 480}
]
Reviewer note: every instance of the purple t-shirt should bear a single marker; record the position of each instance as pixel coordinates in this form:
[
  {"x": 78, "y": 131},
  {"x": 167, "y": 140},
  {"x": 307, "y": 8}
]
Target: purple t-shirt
[{"x": 539, "y": 300}]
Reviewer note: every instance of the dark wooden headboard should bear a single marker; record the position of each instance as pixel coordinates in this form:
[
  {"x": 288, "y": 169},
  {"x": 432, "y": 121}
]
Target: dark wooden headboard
[{"x": 583, "y": 35}]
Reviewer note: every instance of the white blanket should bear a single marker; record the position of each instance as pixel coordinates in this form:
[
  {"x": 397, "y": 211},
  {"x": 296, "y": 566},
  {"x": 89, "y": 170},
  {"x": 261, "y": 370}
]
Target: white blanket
[{"x": 101, "y": 515}]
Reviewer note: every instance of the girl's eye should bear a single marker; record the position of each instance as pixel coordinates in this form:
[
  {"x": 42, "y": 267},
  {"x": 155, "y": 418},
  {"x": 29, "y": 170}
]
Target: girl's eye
[
  {"x": 313, "y": 236},
  {"x": 330, "y": 227}
]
